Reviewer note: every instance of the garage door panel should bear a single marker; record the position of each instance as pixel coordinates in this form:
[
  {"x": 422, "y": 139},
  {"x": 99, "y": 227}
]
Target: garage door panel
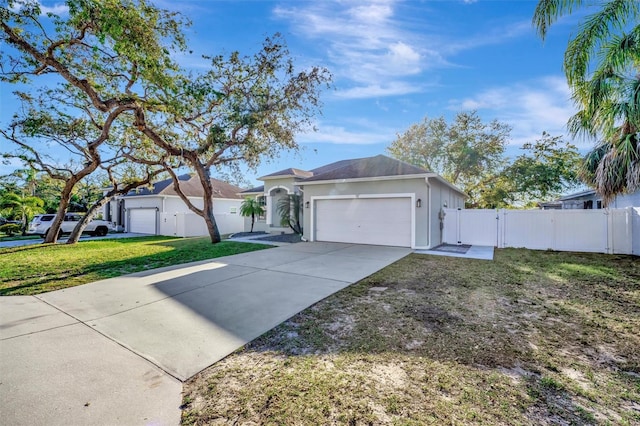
[
  {"x": 142, "y": 221},
  {"x": 377, "y": 221}
]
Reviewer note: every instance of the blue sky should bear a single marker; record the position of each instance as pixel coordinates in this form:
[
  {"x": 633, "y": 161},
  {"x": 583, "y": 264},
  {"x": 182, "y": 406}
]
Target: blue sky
[{"x": 394, "y": 62}]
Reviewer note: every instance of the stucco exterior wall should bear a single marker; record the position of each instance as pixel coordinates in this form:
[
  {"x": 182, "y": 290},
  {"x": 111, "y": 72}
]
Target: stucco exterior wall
[
  {"x": 428, "y": 232},
  {"x": 259, "y": 226},
  {"x": 227, "y": 212},
  {"x": 626, "y": 200},
  {"x": 441, "y": 197},
  {"x": 286, "y": 182},
  {"x": 403, "y": 186}
]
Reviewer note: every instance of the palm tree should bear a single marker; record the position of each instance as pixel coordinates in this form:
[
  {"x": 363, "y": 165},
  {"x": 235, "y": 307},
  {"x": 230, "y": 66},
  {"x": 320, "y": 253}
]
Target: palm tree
[
  {"x": 251, "y": 207},
  {"x": 608, "y": 98},
  {"x": 290, "y": 209},
  {"x": 23, "y": 207}
]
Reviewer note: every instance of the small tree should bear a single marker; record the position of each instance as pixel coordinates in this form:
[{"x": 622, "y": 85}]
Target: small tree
[
  {"x": 251, "y": 207},
  {"x": 289, "y": 209},
  {"x": 22, "y": 207},
  {"x": 10, "y": 229}
]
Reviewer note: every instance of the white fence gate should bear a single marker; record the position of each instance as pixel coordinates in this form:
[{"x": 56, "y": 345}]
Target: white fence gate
[
  {"x": 191, "y": 225},
  {"x": 602, "y": 231}
]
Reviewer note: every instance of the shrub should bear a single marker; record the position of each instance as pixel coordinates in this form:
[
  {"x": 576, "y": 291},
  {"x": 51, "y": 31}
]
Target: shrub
[{"x": 10, "y": 228}]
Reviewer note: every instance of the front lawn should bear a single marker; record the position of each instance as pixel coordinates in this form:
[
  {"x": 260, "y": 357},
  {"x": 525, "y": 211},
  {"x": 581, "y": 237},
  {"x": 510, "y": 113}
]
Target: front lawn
[
  {"x": 531, "y": 338},
  {"x": 40, "y": 268}
]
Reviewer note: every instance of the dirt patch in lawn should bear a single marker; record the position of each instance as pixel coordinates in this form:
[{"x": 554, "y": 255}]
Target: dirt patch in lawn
[{"x": 531, "y": 338}]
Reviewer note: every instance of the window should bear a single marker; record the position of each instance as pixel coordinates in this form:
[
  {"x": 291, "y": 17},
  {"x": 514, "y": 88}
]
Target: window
[{"x": 262, "y": 200}]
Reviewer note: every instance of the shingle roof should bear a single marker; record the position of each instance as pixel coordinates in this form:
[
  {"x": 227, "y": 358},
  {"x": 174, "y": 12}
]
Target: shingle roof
[
  {"x": 191, "y": 187},
  {"x": 587, "y": 193},
  {"x": 253, "y": 190},
  {"x": 289, "y": 172},
  {"x": 377, "y": 166}
]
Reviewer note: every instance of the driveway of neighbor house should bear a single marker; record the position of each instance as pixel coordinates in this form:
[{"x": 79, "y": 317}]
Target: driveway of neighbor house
[{"x": 115, "y": 351}]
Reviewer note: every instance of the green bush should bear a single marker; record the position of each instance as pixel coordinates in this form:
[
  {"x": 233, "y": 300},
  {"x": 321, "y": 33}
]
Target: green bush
[{"x": 10, "y": 228}]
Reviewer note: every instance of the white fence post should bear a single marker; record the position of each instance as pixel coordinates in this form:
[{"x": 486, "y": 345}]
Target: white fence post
[
  {"x": 635, "y": 230},
  {"x": 609, "y": 229}
]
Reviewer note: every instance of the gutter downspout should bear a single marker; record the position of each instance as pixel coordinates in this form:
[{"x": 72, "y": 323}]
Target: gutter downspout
[{"x": 428, "y": 213}]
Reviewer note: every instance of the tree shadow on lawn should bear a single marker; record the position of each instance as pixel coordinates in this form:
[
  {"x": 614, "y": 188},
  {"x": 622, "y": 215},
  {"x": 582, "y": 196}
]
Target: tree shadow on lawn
[
  {"x": 182, "y": 250},
  {"x": 555, "y": 335}
]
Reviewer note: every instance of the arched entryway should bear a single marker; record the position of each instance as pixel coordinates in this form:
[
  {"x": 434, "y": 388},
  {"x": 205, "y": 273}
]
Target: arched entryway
[{"x": 275, "y": 195}]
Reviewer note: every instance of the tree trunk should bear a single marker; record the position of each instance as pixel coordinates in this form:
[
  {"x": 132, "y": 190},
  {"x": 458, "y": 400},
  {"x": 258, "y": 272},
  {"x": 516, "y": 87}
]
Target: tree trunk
[
  {"x": 80, "y": 226},
  {"x": 253, "y": 220},
  {"x": 77, "y": 231},
  {"x": 212, "y": 226},
  {"x": 24, "y": 224},
  {"x": 65, "y": 198},
  {"x": 207, "y": 198}
]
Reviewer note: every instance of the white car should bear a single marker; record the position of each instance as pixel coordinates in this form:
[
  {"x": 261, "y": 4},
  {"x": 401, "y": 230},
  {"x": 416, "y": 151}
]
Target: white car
[{"x": 41, "y": 223}]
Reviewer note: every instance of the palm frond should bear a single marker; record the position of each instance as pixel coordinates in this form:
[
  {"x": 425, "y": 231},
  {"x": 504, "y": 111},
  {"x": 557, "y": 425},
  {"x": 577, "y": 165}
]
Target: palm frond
[
  {"x": 593, "y": 32},
  {"x": 548, "y": 11}
]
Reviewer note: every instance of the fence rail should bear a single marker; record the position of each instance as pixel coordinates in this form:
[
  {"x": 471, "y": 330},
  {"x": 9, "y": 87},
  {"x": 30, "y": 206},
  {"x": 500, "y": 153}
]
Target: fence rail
[{"x": 615, "y": 231}]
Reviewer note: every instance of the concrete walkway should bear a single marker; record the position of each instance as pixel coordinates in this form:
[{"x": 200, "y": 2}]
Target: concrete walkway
[
  {"x": 116, "y": 351},
  {"x": 475, "y": 252}
]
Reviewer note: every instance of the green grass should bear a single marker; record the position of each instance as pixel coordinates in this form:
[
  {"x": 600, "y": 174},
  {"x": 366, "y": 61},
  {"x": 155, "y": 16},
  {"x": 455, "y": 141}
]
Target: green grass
[
  {"x": 41, "y": 268},
  {"x": 531, "y": 338}
]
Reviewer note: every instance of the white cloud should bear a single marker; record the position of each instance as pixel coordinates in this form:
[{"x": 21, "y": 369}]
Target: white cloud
[
  {"x": 365, "y": 44},
  {"x": 378, "y": 47},
  {"x": 340, "y": 135},
  {"x": 528, "y": 107},
  {"x": 57, "y": 9},
  {"x": 392, "y": 88},
  {"x": 498, "y": 35}
]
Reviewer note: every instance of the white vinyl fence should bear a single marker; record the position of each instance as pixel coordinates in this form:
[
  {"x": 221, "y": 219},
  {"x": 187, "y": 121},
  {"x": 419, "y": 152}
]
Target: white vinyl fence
[
  {"x": 192, "y": 225},
  {"x": 614, "y": 231}
]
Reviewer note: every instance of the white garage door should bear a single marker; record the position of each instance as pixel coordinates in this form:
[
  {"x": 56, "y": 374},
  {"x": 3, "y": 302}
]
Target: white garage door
[
  {"x": 378, "y": 221},
  {"x": 142, "y": 221}
]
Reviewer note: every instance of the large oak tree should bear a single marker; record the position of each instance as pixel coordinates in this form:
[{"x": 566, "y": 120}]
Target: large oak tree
[
  {"x": 471, "y": 154},
  {"x": 116, "y": 57}
]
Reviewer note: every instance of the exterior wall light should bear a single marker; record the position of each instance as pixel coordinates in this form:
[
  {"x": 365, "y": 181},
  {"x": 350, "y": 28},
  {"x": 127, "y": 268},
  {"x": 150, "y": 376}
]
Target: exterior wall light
[
  {"x": 418, "y": 203},
  {"x": 306, "y": 204}
]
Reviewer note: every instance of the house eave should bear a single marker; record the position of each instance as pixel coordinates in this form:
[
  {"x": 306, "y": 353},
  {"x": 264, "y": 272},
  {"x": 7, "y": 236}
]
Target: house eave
[
  {"x": 382, "y": 178},
  {"x": 281, "y": 177},
  {"x": 363, "y": 179}
]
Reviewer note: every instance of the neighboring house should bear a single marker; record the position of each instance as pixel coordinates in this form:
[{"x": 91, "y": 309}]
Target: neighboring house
[
  {"x": 376, "y": 200},
  {"x": 589, "y": 199},
  {"x": 160, "y": 210}
]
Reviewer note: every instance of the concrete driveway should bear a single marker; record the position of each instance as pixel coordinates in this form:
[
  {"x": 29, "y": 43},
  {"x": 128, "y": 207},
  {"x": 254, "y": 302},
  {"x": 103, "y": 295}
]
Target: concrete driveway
[{"x": 116, "y": 351}]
